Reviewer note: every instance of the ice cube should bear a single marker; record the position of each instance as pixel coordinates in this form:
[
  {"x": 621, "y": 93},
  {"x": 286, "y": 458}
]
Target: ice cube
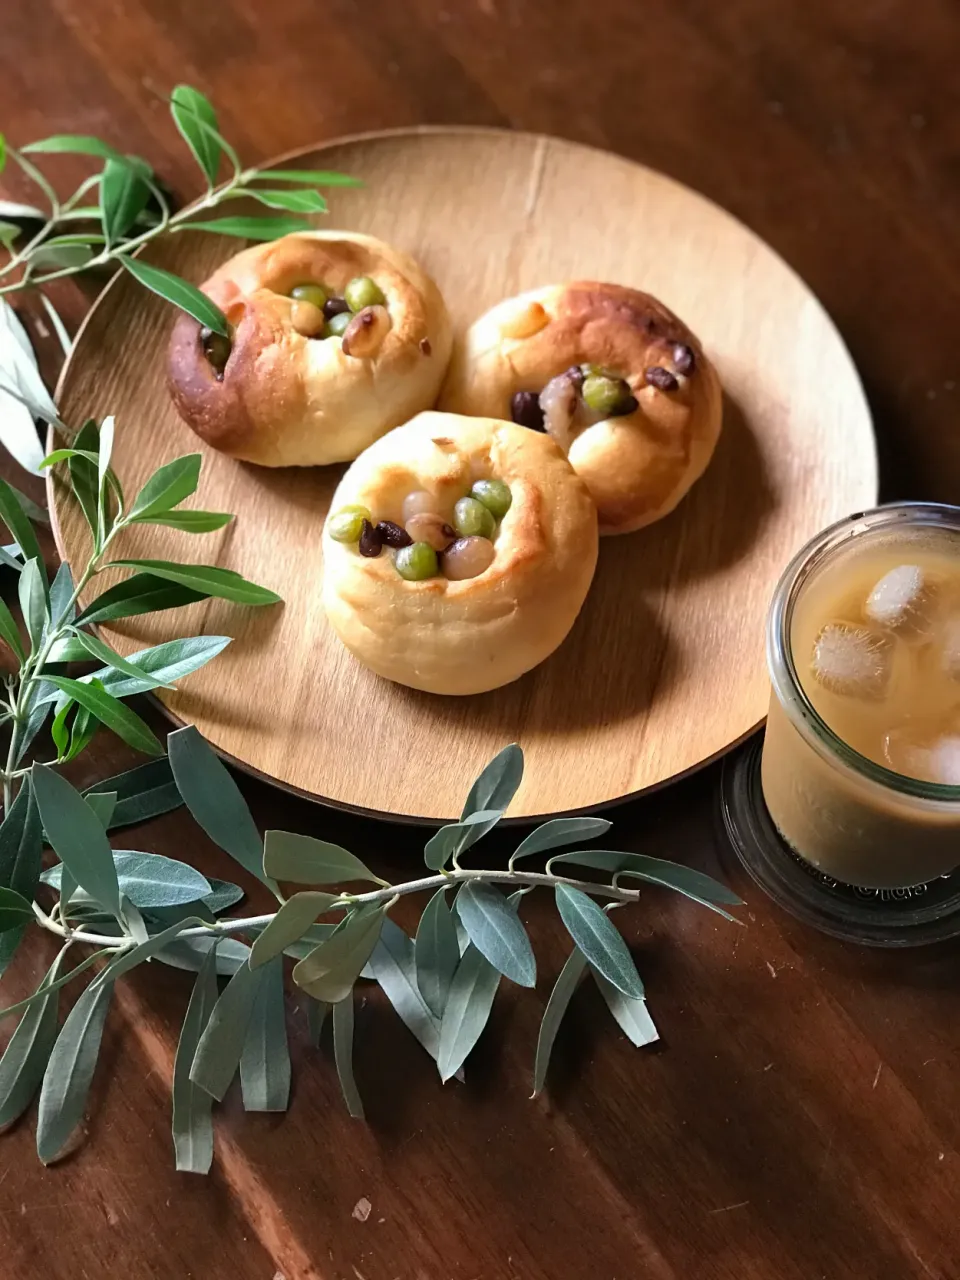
[
  {"x": 949, "y": 639},
  {"x": 852, "y": 660},
  {"x": 929, "y": 752},
  {"x": 902, "y": 600}
]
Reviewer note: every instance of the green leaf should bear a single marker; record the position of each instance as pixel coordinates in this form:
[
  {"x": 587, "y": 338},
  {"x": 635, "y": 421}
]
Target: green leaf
[
  {"x": 343, "y": 1054},
  {"x": 74, "y": 144},
  {"x": 33, "y": 601},
  {"x": 452, "y": 840},
  {"x": 182, "y": 294},
  {"x": 83, "y": 474},
  {"x": 103, "y": 653},
  {"x": 60, "y": 982},
  {"x": 20, "y": 527},
  {"x": 103, "y": 470},
  {"x": 497, "y": 784},
  {"x": 221, "y": 1044},
  {"x": 21, "y": 844},
  {"x": 288, "y": 856},
  {"x": 317, "y": 1011},
  {"x": 59, "y": 731},
  {"x": 25, "y": 212},
  {"x": 103, "y": 804},
  {"x": 36, "y": 714},
  {"x": 247, "y": 228},
  {"x": 191, "y": 110},
  {"x": 214, "y": 799},
  {"x": 3, "y": 152},
  {"x": 495, "y": 930},
  {"x": 190, "y": 521},
  {"x": 123, "y": 196},
  {"x": 67, "y": 1079},
  {"x": 265, "y": 1060},
  {"x": 293, "y": 201},
  {"x": 15, "y": 910},
  {"x": 289, "y": 924},
  {"x": 85, "y": 726},
  {"x": 190, "y": 953},
  {"x": 61, "y": 591},
  {"x": 149, "y": 879},
  {"x": 208, "y": 578},
  {"x": 560, "y": 996},
  {"x": 167, "y": 487},
  {"x": 599, "y": 940},
  {"x": 9, "y": 232},
  {"x": 28, "y": 1050},
  {"x": 144, "y": 792},
  {"x": 58, "y": 257},
  {"x": 468, "y": 1008},
  {"x": 59, "y": 328},
  {"x": 394, "y": 967},
  {"x": 9, "y": 630},
  {"x": 632, "y": 1015},
  {"x": 161, "y": 665},
  {"x": 330, "y": 970},
  {"x": 192, "y": 1106},
  {"x": 671, "y": 875},
  {"x": 143, "y": 593},
  {"x": 437, "y": 952},
  {"x": 309, "y": 177},
  {"x": 77, "y": 836},
  {"x": 126, "y": 724},
  {"x": 558, "y": 832}
]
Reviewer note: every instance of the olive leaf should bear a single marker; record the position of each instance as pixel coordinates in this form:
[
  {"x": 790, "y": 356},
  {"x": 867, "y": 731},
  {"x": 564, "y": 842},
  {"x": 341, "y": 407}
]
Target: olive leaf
[
  {"x": 126, "y": 724},
  {"x": 494, "y": 928},
  {"x": 28, "y": 1049},
  {"x": 62, "y": 981},
  {"x": 317, "y": 1011},
  {"x": 123, "y": 195},
  {"x": 11, "y": 512},
  {"x": 695, "y": 885},
  {"x": 167, "y": 487},
  {"x": 59, "y": 328},
  {"x": 467, "y": 1011},
  {"x": 182, "y": 294},
  {"x": 20, "y": 852},
  {"x": 292, "y": 201},
  {"x": 218, "y": 1052},
  {"x": 69, "y": 1073},
  {"x": 210, "y": 579},
  {"x": 143, "y": 593},
  {"x": 15, "y": 910},
  {"x": 450, "y": 841},
  {"x": 599, "y": 939},
  {"x": 103, "y": 653},
  {"x": 191, "y": 110},
  {"x": 558, "y": 832},
  {"x": 560, "y": 997},
  {"x": 289, "y": 924},
  {"x": 250, "y": 228},
  {"x": 159, "y": 666},
  {"x": 631, "y": 1015},
  {"x": 33, "y": 601},
  {"x": 77, "y": 836},
  {"x": 144, "y": 792},
  {"x": 149, "y": 879},
  {"x": 214, "y": 800},
  {"x": 304, "y": 860},
  {"x": 61, "y": 592},
  {"x": 265, "y": 1059},
  {"x": 394, "y": 968},
  {"x": 497, "y": 784},
  {"x": 309, "y": 177},
  {"x": 103, "y": 804},
  {"x": 73, "y": 144},
  {"x": 192, "y": 1106},
  {"x": 330, "y": 970},
  {"x": 190, "y": 521},
  {"x": 83, "y": 476},
  {"x": 190, "y": 953},
  {"x": 437, "y": 952},
  {"x": 343, "y": 1054}
]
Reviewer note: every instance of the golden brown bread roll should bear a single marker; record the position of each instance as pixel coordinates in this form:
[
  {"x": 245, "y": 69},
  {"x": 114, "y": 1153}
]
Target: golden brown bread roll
[
  {"x": 285, "y": 398},
  {"x": 462, "y": 637},
  {"x": 637, "y": 464}
]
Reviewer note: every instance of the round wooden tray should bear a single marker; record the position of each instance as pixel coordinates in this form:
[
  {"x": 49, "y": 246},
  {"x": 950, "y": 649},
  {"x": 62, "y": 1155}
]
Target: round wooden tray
[{"x": 664, "y": 669}]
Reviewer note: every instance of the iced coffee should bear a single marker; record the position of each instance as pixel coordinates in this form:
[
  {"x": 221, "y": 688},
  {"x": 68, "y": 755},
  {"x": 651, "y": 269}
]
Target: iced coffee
[{"x": 861, "y": 759}]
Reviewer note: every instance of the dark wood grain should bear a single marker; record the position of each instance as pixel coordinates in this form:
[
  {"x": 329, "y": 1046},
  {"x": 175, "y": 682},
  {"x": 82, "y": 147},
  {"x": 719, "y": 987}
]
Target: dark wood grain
[{"x": 800, "y": 1118}]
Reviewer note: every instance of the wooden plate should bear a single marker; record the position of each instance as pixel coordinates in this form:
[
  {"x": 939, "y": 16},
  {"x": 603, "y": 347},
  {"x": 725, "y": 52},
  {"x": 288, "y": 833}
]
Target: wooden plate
[{"x": 665, "y": 667}]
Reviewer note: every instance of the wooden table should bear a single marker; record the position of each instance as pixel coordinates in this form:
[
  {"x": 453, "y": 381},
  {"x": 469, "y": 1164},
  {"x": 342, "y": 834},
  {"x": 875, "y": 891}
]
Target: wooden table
[{"x": 799, "y": 1119}]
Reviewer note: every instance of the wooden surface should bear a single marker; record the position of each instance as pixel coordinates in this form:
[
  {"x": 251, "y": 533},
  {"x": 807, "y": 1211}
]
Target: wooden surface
[
  {"x": 800, "y": 1119},
  {"x": 659, "y": 673}
]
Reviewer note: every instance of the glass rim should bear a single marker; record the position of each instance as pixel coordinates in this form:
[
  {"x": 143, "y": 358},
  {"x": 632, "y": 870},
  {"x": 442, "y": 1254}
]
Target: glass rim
[{"x": 792, "y": 696}]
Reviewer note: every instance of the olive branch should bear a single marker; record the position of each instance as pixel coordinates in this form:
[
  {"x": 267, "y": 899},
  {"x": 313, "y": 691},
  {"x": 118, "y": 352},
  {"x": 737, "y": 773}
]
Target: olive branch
[{"x": 134, "y": 907}]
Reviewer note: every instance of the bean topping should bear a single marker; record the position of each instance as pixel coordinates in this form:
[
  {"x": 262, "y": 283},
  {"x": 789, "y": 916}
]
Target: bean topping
[
  {"x": 392, "y": 535},
  {"x": 683, "y": 358},
  {"x": 335, "y": 307},
  {"x": 371, "y": 543},
  {"x": 425, "y": 347},
  {"x": 217, "y": 349},
  {"x": 661, "y": 378},
  {"x": 525, "y": 410}
]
